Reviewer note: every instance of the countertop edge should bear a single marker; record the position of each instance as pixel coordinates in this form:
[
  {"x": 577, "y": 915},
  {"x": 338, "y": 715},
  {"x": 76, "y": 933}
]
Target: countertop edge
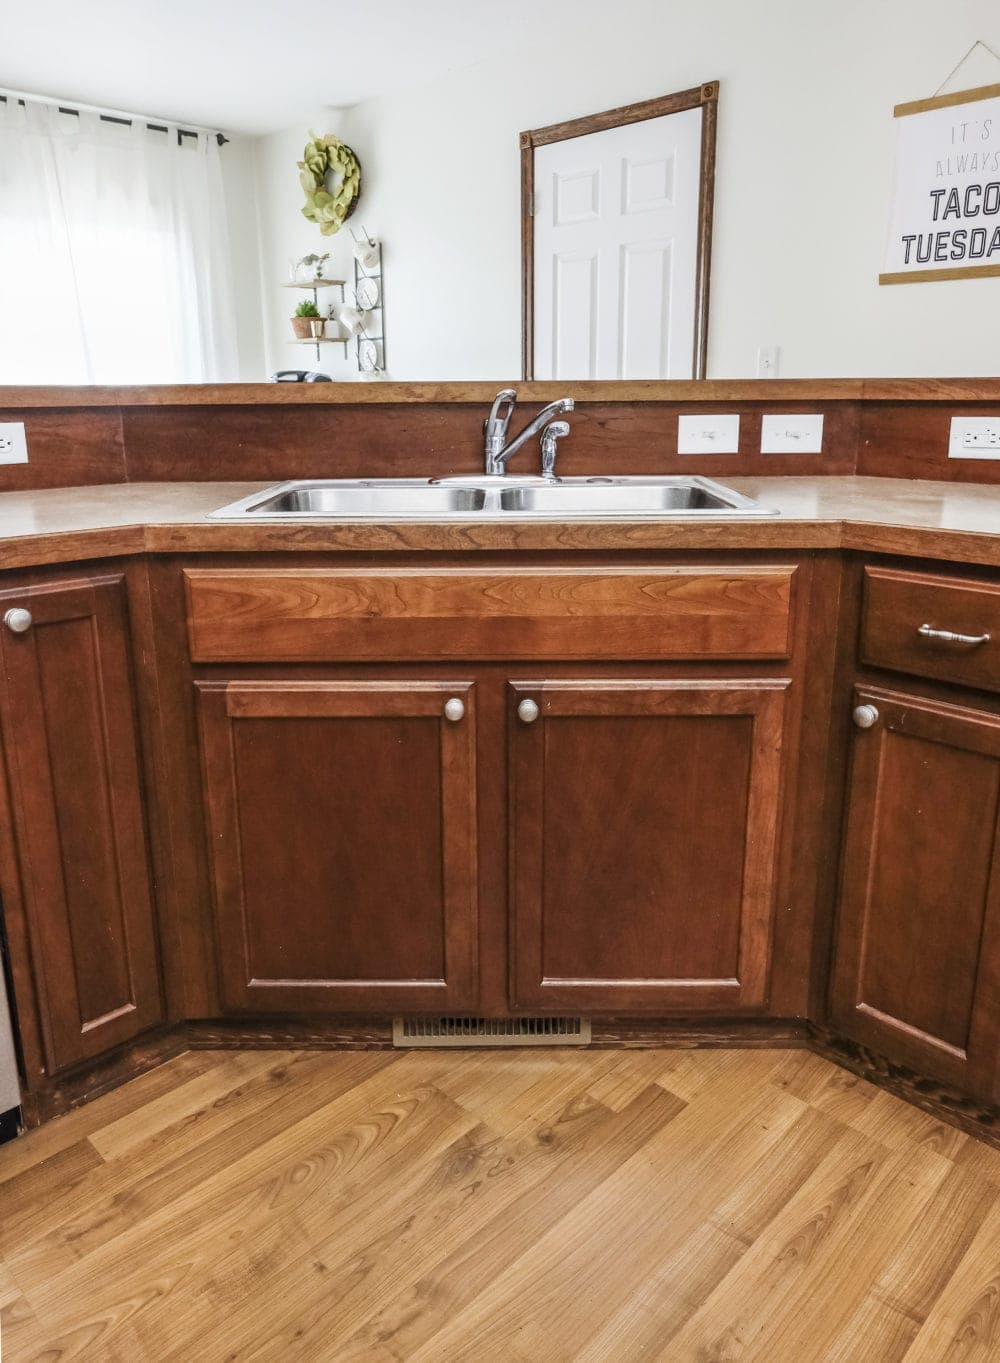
[
  {"x": 40, "y": 396},
  {"x": 959, "y": 546}
]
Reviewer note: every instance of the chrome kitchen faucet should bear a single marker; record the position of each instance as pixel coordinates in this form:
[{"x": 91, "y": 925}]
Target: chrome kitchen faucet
[{"x": 499, "y": 449}]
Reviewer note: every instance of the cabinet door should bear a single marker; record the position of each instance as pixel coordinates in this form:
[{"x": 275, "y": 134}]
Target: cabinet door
[
  {"x": 917, "y": 974},
  {"x": 644, "y": 818},
  {"x": 70, "y": 738},
  {"x": 342, "y": 828}
]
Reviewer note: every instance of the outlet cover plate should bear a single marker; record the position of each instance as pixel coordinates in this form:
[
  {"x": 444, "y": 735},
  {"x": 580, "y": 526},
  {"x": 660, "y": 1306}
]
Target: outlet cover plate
[
  {"x": 797, "y": 434},
  {"x": 13, "y": 443},
  {"x": 974, "y": 437},
  {"x": 708, "y": 434}
]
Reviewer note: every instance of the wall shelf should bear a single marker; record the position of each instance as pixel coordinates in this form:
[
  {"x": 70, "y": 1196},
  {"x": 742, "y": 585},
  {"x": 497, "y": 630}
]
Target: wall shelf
[{"x": 315, "y": 284}]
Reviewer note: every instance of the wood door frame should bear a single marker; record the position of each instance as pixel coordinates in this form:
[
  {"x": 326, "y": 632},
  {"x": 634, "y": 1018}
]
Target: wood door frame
[{"x": 706, "y": 97}]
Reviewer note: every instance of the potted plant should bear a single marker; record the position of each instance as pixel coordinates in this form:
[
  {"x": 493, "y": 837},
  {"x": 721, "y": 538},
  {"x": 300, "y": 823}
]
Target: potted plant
[{"x": 302, "y": 323}]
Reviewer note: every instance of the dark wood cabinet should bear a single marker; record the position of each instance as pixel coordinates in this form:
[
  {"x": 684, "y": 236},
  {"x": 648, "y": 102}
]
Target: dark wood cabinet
[
  {"x": 643, "y": 818},
  {"x": 77, "y": 875},
  {"x": 342, "y": 831},
  {"x": 917, "y": 974}
]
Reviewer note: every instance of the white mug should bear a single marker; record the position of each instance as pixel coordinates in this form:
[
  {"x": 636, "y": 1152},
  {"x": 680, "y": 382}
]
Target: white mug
[
  {"x": 367, "y": 253},
  {"x": 351, "y": 319}
]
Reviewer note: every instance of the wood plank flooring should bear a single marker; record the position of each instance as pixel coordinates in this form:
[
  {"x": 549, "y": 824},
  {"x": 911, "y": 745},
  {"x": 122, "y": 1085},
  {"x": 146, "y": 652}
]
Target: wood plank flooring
[{"x": 524, "y": 1206}]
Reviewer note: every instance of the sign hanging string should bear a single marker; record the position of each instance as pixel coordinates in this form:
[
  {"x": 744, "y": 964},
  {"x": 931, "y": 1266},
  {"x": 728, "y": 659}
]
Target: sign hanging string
[{"x": 959, "y": 64}]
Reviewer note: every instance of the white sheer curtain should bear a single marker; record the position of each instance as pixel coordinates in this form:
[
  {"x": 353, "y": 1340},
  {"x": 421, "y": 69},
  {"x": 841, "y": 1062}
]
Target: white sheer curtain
[{"x": 114, "y": 261}]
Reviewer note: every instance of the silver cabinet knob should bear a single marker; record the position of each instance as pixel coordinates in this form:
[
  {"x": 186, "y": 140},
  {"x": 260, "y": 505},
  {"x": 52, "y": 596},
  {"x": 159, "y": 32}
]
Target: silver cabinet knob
[
  {"x": 865, "y": 716},
  {"x": 18, "y": 620},
  {"x": 454, "y": 709},
  {"x": 527, "y": 711}
]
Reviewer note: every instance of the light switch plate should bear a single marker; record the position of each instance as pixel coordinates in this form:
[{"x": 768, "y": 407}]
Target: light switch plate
[
  {"x": 798, "y": 434},
  {"x": 709, "y": 434},
  {"x": 974, "y": 437},
  {"x": 767, "y": 361},
  {"x": 13, "y": 443}
]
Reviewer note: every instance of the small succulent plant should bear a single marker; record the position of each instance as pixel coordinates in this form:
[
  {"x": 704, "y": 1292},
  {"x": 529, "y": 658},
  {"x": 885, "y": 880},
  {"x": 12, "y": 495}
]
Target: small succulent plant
[{"x": 307, "y": 309}]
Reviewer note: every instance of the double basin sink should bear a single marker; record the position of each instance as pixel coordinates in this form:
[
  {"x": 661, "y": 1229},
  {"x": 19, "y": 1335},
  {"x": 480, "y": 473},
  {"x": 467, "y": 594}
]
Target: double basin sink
[{"x": 482, "y": 497}]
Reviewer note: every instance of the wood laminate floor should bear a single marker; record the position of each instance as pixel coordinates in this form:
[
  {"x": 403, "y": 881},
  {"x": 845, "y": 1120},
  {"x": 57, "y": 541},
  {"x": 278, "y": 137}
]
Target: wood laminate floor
[{"x": 523, "y": 1206}]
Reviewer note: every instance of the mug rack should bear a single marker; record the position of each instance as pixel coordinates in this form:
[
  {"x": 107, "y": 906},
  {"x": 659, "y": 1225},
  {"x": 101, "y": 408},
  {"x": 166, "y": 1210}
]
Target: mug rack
[{"x": 370, "y": 343}]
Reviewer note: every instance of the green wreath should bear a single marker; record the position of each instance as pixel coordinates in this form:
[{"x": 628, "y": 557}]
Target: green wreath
[{"x": 329, "y": 209}]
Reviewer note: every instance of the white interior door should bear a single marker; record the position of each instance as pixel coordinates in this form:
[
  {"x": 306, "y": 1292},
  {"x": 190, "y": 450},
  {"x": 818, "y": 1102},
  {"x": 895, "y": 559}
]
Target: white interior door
[{"x": 616, "y": 249}]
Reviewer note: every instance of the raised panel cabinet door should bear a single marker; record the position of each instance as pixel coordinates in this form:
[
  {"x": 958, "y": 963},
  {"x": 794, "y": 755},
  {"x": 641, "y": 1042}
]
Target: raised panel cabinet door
[
  {"x": 917, "y": 973},
  {"x": 342, "y": 826},
  {"x": 644, "y": 819},
  {"x": 71, "y": 750}
]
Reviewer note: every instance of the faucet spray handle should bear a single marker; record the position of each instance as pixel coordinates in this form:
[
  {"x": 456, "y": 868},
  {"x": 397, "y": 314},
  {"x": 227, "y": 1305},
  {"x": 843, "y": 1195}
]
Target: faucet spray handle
[{"x": 553, "y": 432}]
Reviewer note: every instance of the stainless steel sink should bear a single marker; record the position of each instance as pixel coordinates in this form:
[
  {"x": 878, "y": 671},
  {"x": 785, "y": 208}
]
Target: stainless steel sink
[
  {"x": 473, "y": 498},
  {"x": 683, "y": 497},
  {"x": 346, "y": 498}
]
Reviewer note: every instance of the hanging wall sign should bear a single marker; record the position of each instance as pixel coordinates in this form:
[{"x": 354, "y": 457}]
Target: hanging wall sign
[{"x": 944, "y": 222}]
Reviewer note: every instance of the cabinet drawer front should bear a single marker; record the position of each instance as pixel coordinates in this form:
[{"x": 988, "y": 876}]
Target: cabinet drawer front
[
  {"x": 909, "y": 618},
  {"x": 317, "y": 615}
]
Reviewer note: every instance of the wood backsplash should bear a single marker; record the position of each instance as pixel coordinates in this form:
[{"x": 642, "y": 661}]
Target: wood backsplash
[{"x": 891, "y": 429}]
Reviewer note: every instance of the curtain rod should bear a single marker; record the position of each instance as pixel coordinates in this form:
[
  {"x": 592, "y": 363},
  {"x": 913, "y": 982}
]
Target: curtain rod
[{"x": 109, "y": 115}]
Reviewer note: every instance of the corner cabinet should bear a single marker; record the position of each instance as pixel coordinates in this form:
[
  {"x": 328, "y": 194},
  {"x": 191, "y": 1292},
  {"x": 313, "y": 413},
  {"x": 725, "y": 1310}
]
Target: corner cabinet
[
  {"x": 917, "y": 973},
  {"x": 644, "y": 819},
  {"x": 76, "y": 875},
  {"x": 342, "y": 828}
]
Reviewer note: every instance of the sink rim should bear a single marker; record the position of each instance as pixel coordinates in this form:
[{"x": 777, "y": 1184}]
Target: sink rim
[{"x": 736, "y": 505}]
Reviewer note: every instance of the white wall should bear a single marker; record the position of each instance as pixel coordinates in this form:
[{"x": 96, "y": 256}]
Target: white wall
[
  {"x": 237, "y": 159},
  {"x": 286, "y": 236},
  {"x": 804, "y": 161}
]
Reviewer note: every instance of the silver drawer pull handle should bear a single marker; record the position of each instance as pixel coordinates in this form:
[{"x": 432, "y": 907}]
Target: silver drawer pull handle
[
  {"x": 527, "y": 711},
  {"x": 454, "y": 709},
  {"x": 18, "y": 620},
  {"x": 865, "y": 716},
  {"x": 947, "y": 636}
]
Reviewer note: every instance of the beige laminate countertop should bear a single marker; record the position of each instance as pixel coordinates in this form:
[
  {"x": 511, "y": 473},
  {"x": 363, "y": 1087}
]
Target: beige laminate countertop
[{"x": 960, "y": 522}]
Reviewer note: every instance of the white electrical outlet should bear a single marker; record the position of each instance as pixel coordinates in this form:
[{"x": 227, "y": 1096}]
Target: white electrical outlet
[
  {"x": 709, "y": 434},
  {"x": 13, "y": 443},
  {"x": 796, "y": 434},
  {"x": 974, "y": 437}
]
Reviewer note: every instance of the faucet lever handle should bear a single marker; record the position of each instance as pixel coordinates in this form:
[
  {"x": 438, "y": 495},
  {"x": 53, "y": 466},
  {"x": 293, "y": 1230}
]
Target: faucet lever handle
[{"x": 501, "y": 411}]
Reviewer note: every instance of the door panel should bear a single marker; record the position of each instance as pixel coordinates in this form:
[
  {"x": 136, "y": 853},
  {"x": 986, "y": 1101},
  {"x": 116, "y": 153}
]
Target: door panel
[
  {"x": 644, "y": 818},
  {"x": 70, "y": 734},
  {"x": 343, "y": 843},
  {"x": 615, "y": 250},
  {"x": 918, "y": 963}
]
